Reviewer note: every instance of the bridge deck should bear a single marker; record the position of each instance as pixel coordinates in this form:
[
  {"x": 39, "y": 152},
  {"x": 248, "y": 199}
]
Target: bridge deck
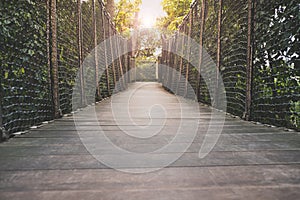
[{"x": 249, "y": 161}]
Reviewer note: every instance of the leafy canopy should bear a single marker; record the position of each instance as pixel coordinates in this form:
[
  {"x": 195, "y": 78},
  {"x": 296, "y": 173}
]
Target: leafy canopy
[
  {"x": 176, "y": 11},
  {"x": 126, "y": 15}
]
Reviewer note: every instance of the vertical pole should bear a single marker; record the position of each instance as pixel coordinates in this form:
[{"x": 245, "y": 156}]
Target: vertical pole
[
  {"x": 162, "y": 59},
  {"x": 188, "y": 53},
  {"x": 128, "y": 67},
  {"x": 123, "y": 61},
  {"x": 2, "y": 136},
  {"x": 218, "y": 64},
  {"x": 105, "y": 48},
  {"x": 54, "y": 63},
  {"x": 160, "y": 63},
  {"x": 202, "y": 25},
  {"x": 80, "y": 59},
  {"x": 247, "y": 113},
  {"x": 156, "y": 69},
  {"x": 181, "y": 58},
  {"x": 128, "y": 55},
  {"x": 175, "y": 56},
  {"x": 121, "y": 78},
  {"x": 48, "y": 7},
  {"x": 174, "y": 63},
  {"x": 165, "y": 60},
  {"x": 168, "y": 54},
  {"x": 170, "y": 63},
  {"x": 133, "y": 63},
  {"x": 112, "y": 52},
  {"x": 125, "y": 43},
  {"x": 98, "y": 93}
]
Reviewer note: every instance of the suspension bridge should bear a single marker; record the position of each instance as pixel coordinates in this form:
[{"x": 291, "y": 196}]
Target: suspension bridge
[{"x": 218, "y": 122}]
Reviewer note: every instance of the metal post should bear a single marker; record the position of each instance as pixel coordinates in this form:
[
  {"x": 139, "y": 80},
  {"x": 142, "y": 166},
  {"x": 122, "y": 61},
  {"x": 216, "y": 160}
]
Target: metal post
[
  {"x": 112, "y": 52},
  {"x": 202, "y": 25},
  {"x": 181, "y": 59},
  {"x": 188, "y": 53},
  {"x": 128, "y": 68},
  {"x": 133, "y": 64},
  {"x": 247, "y": 113},
  {"x": 171, "y": 63},
  {"x": 168, "y": 54},
  {"x": 98, "y": 92},
  {"x": 54, "y": 63},
  {"x": 156, "y": 69},
  {"x": 2, "y": 133},
  {"x": 123, "y": 61},
  {"x": 175, "y": 60},
  {"x": 105, "y": 47},
  {"x": 162, "y": 60},
  {"x": 80, "y": 57},
  {"x": 48, "y": 37},
  {"x": 121, "y": 78},
  {"x": 174, "y": 63},
  {"x": 218, "y": 64}
]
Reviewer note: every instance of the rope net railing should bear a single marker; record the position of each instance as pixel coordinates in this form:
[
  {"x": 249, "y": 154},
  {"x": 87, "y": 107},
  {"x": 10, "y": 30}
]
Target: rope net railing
[
  {"x": 25, "y": 92},
  {"x": 251, "y": 45},
  {"x": 44, "y": 47},
  {"x": 276, "y": 70}
]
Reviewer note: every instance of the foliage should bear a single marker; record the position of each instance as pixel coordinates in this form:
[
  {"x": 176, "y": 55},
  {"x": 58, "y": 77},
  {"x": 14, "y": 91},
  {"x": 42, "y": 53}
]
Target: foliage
[
  {"x": 234, "y": 54},
  {"x": 275, "y": 38},
  {"x": 68, "y": 48},
  {"x": 148, "y": 43},
  {"x": 126, "y": 15},
  {"x": 176, "y": 11},
  {"x": 23, "y": 59},
  {"x": 276, "y": 64}
]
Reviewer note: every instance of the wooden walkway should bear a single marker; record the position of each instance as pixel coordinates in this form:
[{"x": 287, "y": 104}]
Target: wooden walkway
[{"x": 249, "y": 161}]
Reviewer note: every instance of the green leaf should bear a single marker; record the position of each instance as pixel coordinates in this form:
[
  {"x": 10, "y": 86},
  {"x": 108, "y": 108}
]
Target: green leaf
[
  {"x": 30, "y": 52},
  {"x": 6, "y": 75}
]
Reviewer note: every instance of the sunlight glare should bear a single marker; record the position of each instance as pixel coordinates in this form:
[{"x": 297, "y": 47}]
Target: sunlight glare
[{"x": 148, "y": 22}]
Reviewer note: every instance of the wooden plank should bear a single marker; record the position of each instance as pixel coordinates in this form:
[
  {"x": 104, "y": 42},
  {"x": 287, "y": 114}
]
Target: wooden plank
[
  {"x": 249, "y": 161},
  {"x": 253, "y": 182}
]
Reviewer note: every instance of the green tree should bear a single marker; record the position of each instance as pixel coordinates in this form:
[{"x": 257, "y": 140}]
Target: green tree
[
  {"x": 126, "y": 14},
  {"x": 176, "y": 11},
  {"x": 148, "y": 42}
]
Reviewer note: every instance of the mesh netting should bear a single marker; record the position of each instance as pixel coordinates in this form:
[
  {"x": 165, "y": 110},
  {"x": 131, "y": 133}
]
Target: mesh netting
[
  {"x": 28, "y": 77},
  {"x": 67, "y": 43},
  {"x": 276, "y": 91},
  {"x": 24, "y": 75},
  {"x": 234, "y": 54},
  {"x": 254, "y": 45}
]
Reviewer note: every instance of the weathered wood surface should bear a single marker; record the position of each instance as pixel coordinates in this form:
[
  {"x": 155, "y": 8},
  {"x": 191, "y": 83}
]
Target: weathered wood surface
[{"x": 249, "y": 161}]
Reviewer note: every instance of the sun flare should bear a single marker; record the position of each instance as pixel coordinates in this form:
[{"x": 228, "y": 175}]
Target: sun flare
[{"x": 148, "y": 22}]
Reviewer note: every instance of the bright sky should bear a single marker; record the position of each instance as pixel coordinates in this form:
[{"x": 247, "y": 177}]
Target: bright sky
[{"x": 150, "y": 10}]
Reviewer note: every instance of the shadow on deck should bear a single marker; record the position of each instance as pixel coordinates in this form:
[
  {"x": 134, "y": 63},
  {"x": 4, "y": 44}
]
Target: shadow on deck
[{"x": 249, "y": 161}]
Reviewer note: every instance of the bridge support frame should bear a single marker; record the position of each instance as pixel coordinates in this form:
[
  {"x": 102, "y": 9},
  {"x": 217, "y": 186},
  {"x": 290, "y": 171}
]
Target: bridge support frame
[
  {"x": 2, "y": 130},
  {"x": 249, "y": 70},
  {"x": 202, "y": 25},
  {"x": 53, "y": 60}
]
